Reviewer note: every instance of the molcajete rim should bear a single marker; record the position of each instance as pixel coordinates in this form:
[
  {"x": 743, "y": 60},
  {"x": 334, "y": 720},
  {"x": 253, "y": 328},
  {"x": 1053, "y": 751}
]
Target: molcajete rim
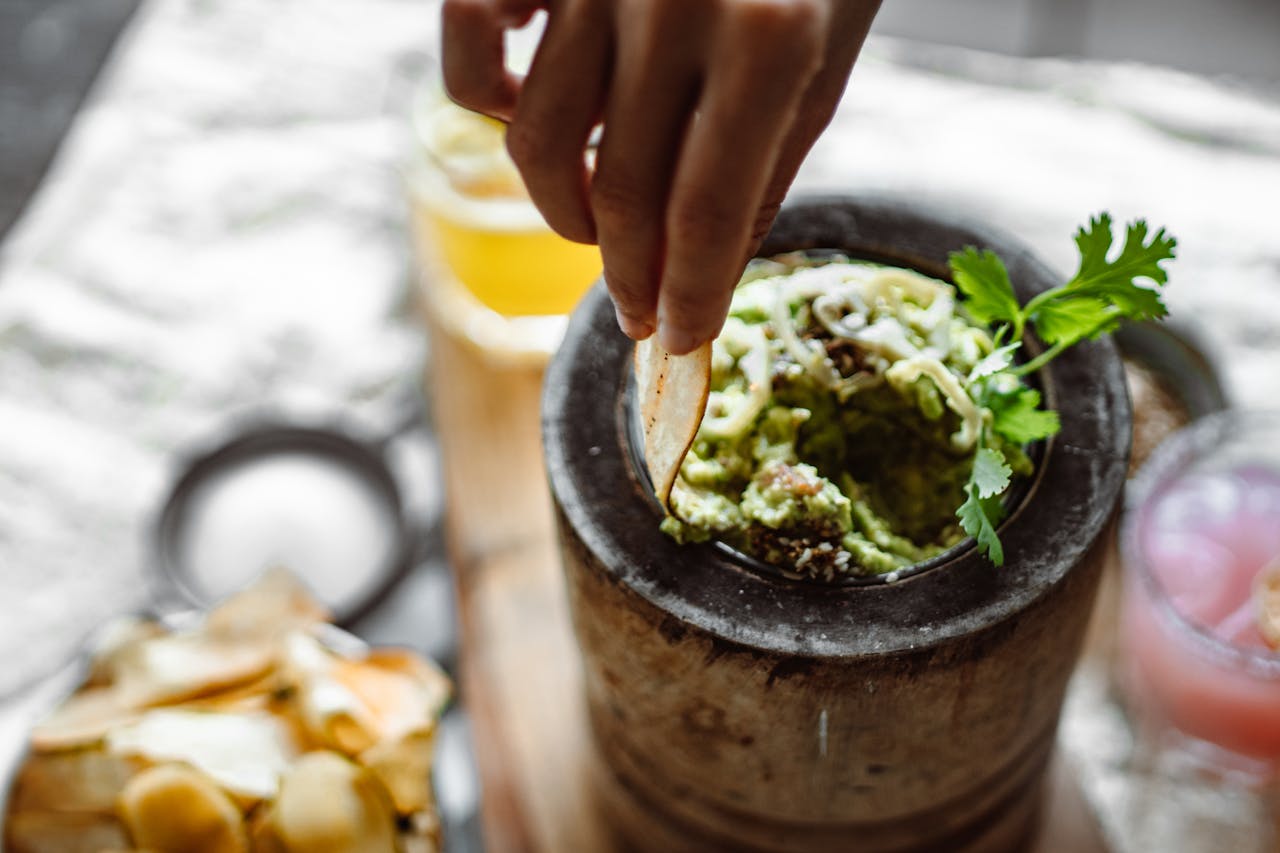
[{"x": 1072, "y": 498}]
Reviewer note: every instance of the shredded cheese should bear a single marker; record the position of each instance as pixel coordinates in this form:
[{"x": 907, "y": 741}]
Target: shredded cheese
[
  {"x": 904, "y": 372},
  {"x": 725, "y": 420}
]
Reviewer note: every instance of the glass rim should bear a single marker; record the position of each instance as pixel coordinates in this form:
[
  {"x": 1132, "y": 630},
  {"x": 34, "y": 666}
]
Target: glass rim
[
  {"x": 429, "y": 97},
  {"x": 1162, "y": 469}
]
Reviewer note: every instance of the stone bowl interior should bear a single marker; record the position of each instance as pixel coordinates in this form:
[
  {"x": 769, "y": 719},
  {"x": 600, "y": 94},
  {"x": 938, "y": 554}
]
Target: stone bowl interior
[{"x": 1017, "y": 493}]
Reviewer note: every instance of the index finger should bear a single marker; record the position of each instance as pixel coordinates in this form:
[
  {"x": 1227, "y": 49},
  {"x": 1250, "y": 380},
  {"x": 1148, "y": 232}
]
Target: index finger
[
  {"x": 850, "y": 25},
  {"x": 729, "y": 156}
]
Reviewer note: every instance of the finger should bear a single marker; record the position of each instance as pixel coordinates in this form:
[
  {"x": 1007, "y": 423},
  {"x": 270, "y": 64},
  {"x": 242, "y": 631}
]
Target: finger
[
  {"x": 474, "y": 56},
  {"x": 728, "y": 159},
  {"x": 559, "y": 104},
  {"x": 655, "y": 83},
  {"x": 847, "y": 31}
]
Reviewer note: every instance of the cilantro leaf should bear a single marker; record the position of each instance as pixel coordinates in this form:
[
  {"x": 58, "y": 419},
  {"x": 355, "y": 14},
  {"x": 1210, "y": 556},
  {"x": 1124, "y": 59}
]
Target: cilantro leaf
[
  {"x": 999, "y": 359},
  {"x": 1138, "y": 258},
  {"x": 1115, "y": 281},
  {"x": 983, "y": 508},
  {"x": 983, "y": 279},
  {"x": 1019, "y": 418},
  {"x": 1094, "y": 242},
  {"x": 1104, "y": 292},
  {"x": 975, "y": 521},
  {"x": 990, "y": 473},
  {"x": 1069, "y": 320}
]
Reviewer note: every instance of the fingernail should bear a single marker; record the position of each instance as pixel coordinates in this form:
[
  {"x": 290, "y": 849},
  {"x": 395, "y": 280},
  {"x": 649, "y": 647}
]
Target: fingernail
[
  {"x": 632, "y": 327},
  {"x": 677, "y": 340}
]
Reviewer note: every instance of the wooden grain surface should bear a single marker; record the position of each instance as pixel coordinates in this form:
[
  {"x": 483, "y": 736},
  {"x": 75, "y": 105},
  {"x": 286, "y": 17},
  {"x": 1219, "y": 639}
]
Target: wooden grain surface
[{"x": 519, "y": 670}]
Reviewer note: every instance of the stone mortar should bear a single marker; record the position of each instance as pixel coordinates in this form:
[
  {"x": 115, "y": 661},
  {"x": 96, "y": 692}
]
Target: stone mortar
[{"x": 737, "y": 710}]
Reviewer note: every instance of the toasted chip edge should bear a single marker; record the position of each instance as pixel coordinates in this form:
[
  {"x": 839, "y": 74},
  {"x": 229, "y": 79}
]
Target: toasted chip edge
[{"x": 672, "y": 393}]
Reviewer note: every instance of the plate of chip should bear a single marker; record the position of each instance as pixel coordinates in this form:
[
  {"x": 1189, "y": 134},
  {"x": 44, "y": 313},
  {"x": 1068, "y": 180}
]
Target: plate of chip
[{"x": 257, "y": 725}]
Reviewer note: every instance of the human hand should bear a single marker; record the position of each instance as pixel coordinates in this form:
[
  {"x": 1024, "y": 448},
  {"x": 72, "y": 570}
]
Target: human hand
[{"x": 708, "y": 109}]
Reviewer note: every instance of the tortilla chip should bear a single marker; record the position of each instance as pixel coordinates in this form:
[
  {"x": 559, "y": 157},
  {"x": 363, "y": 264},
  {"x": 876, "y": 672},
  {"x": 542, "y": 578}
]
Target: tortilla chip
[
  {"x": 262, "y": 694},
  {"x": 243, "y": 753},
  {"x": 351, "y": 705},
  {"x": 1266, "y": 597},
  {"x": 672, "y": 392},
  {"x": 403, "y": 767},
  {"x": 59, "y": 832},
  {"x": 275, "y": 605},
  {"x": 175, "y": 667},
  {"x": 82, "y": 780},
  {"x": 83, "y": 720},
  {"x": 422, "y": 835},
  {"x": 159, "y": 671},
  {"x": 116, "y": 641},
  {"x": 328, "y": 803},
  {"x": 174, "y": 809},
  {"x": 261, "y": 827},
  {"x": 433, "y": 687}
]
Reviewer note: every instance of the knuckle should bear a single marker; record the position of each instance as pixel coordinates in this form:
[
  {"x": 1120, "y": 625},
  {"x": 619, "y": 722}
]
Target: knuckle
[
  {"x": 700, "y": 224},
  {"x": 789, "y": 19},
  {"x": 693, "y": 304},
  {"x": 806, "y": 16},
  {"x": 618, "y": 201},
  {"x": 815, "y": 116},
  {"x": 764, "y": 221},
  {"x": 526, "y": 146},
  {"x": 461, "y": 93},
  {"x": 633, "y": 296},
  {"x": 467, "y": 95},
  {"x": 794, "y": 32},
  {"x": 466, "y": 12},
  {"x": 653, "y": 14}
]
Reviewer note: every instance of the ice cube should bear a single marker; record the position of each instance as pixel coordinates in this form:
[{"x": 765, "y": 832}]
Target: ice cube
[
  {"x": 1198, "y": 574},
  {"x": 1240, "y": 627},
  {"x": 1255, "y": 541},
  {"x": 1197, "y": 502}
]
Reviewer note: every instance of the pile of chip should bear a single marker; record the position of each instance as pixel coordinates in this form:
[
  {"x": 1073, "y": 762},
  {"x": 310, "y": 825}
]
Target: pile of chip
[{"x": 263, "y": 729}]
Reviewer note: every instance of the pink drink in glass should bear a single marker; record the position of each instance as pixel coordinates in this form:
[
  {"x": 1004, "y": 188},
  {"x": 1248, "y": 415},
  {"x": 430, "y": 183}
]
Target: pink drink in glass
[{"x": 1204, "y": 525}]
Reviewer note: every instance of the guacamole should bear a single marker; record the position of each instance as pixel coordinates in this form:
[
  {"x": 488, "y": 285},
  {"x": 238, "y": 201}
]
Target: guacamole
[{"x": 838, "y": 435}]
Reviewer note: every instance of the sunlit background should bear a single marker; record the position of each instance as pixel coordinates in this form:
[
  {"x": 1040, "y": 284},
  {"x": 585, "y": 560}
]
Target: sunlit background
[{"x": 1231, "y": 37}]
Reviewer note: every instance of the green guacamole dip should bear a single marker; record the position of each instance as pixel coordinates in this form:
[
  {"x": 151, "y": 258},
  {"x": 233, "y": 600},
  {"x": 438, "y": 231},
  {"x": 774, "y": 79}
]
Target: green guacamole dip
[{"x": 838, "y": 435}]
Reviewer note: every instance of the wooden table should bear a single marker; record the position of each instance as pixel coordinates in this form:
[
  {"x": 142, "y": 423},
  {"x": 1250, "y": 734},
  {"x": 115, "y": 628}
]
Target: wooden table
[{"x": 520, "y": 677}]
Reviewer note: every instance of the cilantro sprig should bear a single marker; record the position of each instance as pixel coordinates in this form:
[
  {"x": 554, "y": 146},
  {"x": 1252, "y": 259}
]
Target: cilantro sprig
[{"x": 1104, "y": 292}]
